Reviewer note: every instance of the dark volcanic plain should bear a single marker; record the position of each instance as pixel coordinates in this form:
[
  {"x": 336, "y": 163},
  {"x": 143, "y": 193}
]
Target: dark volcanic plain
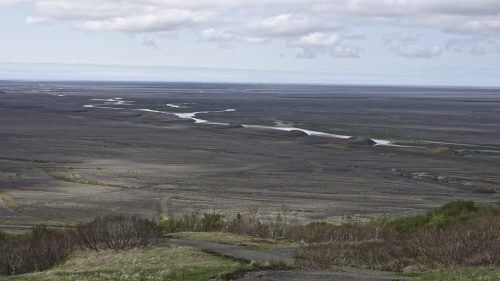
[{"x": 63, "y": 162}]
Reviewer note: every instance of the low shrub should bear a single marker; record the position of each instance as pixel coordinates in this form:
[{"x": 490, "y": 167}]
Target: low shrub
[
  {"x": 249, "y": 225},
  {"x": 3, "y": 236},
  {"x": 447, "y": 214},
  {"x": 118, "y": 233},
  {"x": 36, "y": 251},
  {"x": 409, "y": 224},
  {"x": 469, "y": 242},
  {"x": 325, "y": 232},
  {"x": 280, "y": 227},
  {"x": 42, "y": 247},
  {"x": 211, "y": 222},
  {"x": 194, "y": 221}
]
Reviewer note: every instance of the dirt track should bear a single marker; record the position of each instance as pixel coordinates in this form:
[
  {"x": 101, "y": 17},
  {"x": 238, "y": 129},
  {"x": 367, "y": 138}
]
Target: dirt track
[
  {"x": 265, "y": 257},
  {"x": 303, "y": 275}
]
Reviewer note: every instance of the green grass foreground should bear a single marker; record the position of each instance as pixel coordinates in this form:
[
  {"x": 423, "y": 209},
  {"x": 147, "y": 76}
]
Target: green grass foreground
[
  {"x": 462, "y": 274},
  {"x": 173, "y": 263}
]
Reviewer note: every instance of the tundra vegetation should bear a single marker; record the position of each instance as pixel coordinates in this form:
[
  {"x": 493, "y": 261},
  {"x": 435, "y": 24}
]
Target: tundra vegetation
[
  {"x": 457, "y": 234},
  {"x": 460, "y": 238}
]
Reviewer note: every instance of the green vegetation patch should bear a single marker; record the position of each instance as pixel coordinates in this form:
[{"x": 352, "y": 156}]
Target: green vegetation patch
[
  {"x": 234, "y": 239},
  {"x": 6, "y": 199},
  {"x": 445, "y": 215},
  {"x": 162, "y": 263},
  {"x": 462, "y": 274},
  {"x": 11, "y": 174},
  {"x": 25, "y": 160},
  {"x": 459, "y": 233},
  {"x": 51, "y": 223},
  {"x": 78, "y": 179}
]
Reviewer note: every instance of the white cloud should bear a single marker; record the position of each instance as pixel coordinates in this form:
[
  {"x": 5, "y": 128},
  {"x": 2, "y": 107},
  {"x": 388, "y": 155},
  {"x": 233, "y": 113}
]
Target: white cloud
[
  {"x": 407, "y": 45},
  {"x": 11, "y": 2},
  {"x": 212, "y": 34},
  {"x": 284, "y": 25},
  {"x": 164, "y": 20},
  {"x": 486, "y": 26},
  {"x": 314, "y": 27},
  {"x": 319, "y": 43},
  {"x": 345, "y": 51},
  {"x": 475, "y": 46},
  {"x": 318, "y": 39}
]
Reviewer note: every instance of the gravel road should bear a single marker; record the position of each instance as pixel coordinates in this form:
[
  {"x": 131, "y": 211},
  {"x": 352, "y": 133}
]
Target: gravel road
[{"x": 284, "y": 257}]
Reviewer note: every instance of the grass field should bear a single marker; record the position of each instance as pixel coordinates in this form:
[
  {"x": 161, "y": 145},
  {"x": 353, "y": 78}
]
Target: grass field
[
  {"x": 78, "y": 179},
  {"x": 162, "y": 263},
  {"x": 6, "y": 199}
]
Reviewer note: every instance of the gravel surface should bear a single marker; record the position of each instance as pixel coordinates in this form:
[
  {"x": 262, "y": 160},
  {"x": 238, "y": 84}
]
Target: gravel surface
[
  {"x": 301, "y": 275},
  {"x": 286, "y": 257},
  {"x": 238, "y": 252}
]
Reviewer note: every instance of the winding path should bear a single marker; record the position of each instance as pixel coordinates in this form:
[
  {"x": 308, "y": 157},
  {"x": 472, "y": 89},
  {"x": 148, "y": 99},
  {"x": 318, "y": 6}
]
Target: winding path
[
  {"x": 238, "y": 252},
  {"x": 264, "y": 257}
]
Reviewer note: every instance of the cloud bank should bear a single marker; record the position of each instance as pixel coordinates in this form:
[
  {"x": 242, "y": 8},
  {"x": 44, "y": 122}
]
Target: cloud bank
[{"x": 312, "y": 27}]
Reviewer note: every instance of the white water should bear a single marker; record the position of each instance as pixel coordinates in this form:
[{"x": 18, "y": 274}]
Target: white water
[
  {"x": 115, "y": 101},
  {"x": 280, "y": 125},
  {"x": 289, "y": 129},
  {"x": 175, "y": 105},
  {"x": 386, "y": 143},
  {"x": 378, "y": 142},
  {"x": 192, "y": 116},
  {"x": 152, "y": 111}
]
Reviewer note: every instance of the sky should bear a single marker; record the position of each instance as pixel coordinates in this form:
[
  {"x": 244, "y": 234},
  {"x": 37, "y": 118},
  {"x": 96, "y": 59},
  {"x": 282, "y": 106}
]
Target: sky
[{"x": 402, "y": 42}]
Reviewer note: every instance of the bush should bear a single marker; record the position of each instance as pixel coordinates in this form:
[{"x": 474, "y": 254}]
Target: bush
[
  {"x": 32, "y": 252},
  {"x": 212, "y": 222},
  {"x": 457, "y": 209},
  {"x": 470, "y": 242},
  {"x": 447, "y": 214},
  {"x": 118, "y": 233},
  {"x": 3, "y": 236},
  {"x": 42, "y": 248},
  {"x": 409, "y": 224},
  {"x": 194, "y": 221},
  {"x": 325, "y": 232},
  {"x": 280, "y": 227}
]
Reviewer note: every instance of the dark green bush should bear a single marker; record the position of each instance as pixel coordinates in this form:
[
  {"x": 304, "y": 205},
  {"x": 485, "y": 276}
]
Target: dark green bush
[
  {"x": 409, "y": 224},
  {"x": 3, "y": 236},
  {"x": 194, "y": 221},
  {"x": 470, "y": 242},
  {"x": 447, "y": 214},
  {"x": 457, "y": 209},
  {"x": 212, "y": 222},
  {"x": 171, "y": 225}
]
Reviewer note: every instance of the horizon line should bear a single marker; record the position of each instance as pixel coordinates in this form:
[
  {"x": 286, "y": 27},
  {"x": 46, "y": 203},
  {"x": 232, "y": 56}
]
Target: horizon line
[{"x": 214, "y": 81}]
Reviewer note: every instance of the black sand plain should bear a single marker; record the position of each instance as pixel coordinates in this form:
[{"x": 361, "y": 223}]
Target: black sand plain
[{"x": 63, "y": 162}]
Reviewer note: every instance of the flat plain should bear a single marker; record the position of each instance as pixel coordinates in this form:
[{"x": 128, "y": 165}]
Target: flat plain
[{"x": 72, "y": 151}]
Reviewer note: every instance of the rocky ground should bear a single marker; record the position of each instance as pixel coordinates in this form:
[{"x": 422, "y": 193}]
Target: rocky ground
[{"x": 62, "y": 162}]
